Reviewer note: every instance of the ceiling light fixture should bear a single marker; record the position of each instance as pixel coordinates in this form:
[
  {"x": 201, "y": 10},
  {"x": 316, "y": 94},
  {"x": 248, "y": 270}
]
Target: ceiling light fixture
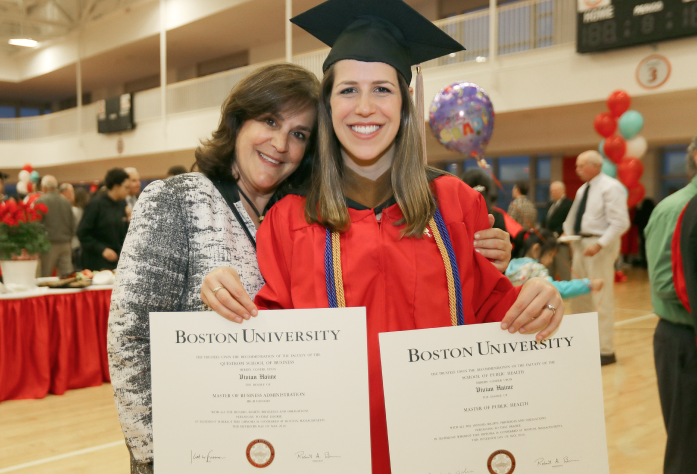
[
  {"x": 29, "y": 43},
  {"x": 480, "y": 59}
]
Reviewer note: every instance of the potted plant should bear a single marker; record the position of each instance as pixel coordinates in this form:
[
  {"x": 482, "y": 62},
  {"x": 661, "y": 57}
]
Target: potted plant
[{"x": 22, "y": 239}]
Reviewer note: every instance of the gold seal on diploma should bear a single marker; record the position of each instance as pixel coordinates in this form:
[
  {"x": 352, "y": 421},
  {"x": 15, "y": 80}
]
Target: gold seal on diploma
[
  {"x": 260, "y": 453},
  {"x": 501, "y": 462}
]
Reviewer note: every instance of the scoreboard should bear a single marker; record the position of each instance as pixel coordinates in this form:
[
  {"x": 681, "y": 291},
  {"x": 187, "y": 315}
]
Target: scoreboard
[{"x": 610, "y": 24}]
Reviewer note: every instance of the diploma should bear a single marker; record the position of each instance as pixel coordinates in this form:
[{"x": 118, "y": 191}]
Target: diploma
[
  {"x": 286, "y": 391},
  {"x": 478, "y": 400}
]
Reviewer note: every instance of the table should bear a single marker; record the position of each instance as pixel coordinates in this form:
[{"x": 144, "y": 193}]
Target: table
[{"x": 52, "y": 341}]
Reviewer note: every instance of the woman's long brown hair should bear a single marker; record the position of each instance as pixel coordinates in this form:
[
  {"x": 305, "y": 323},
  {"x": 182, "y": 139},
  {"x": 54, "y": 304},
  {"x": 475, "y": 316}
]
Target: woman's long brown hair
[{"x": 326, "y": 204}]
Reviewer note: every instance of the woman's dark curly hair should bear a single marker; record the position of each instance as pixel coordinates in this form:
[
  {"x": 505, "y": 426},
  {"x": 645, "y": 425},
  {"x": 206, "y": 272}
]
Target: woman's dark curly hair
[{"x": 266, "y": 92}]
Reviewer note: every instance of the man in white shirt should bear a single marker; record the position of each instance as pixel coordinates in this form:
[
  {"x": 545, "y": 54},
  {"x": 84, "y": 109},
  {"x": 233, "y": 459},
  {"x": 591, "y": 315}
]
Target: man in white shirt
[
  {"x": 134, "y": 187},
  {"x": 599, "y": 216}
]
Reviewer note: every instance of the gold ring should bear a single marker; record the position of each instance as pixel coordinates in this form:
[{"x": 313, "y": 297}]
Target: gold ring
[
  {"x": 552, "y": 308},
  {"x": 217, "y": 289}
]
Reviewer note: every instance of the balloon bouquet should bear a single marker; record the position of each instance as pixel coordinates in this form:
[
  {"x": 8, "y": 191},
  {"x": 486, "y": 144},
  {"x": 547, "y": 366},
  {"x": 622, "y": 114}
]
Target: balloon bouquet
[
  {"x": 622, "y": 153},
  {"x": 29, "y": 180}
]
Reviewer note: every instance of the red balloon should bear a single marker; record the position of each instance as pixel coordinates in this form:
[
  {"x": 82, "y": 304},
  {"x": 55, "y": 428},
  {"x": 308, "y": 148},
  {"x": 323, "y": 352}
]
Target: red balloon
[
  {"x": 618, "y": 103},
  {"x": 30, "y": 187},
  {"x": 629, "y": 171},
  {"x": 28, "y": 168},
  {"x": 605, "y": 124},
  {"x": 615, "y": 147},
  {"x": 636, "y": 195}
]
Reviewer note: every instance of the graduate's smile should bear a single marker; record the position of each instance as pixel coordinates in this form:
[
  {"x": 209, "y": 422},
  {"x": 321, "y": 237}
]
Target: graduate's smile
[{"x": 366, "y": 131}]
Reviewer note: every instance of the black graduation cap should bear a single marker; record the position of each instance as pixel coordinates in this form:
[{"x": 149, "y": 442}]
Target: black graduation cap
[{"x": 385, "y": 31}]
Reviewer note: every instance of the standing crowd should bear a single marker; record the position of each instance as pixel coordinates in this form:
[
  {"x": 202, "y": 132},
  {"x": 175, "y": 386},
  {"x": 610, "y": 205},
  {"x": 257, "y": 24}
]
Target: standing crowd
[{"x": 85, "y": 231}]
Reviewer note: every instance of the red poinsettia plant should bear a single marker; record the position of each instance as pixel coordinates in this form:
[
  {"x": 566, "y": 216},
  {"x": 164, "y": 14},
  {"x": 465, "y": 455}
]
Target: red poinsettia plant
[{"x": 21, "y": 232}]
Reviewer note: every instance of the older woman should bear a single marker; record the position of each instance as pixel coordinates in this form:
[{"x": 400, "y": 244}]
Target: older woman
[
  {"x": 185, "y": 226},
  {"x": 377, "y": 228}
]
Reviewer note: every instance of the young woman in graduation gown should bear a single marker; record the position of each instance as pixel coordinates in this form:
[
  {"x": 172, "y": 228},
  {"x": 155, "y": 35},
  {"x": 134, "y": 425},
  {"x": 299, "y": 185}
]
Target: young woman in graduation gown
[{"x": 378, "y": 228}]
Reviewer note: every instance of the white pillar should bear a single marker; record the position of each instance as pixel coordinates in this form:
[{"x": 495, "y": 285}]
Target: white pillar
[
  {"x": 78, "y": 80},
  {"x": 163, "y": 63},
  {"x": 289, "y": 31},
  {"x": 493, "y": 30}
]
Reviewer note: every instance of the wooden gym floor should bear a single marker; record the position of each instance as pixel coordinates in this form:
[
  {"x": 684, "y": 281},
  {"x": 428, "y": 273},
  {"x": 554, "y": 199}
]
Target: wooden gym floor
[{"x": 79, "y": 432}]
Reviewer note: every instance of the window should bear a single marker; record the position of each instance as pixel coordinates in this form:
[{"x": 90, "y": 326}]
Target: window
[
  {"x": 7, "y": 111},
  {"x": 510, "y": 170},
  {"x": 543, "y": 178},
  {"x": 472, "y": 163},
  {"x": 673, "y": 175},
  {"x": 29, "y": 112}
]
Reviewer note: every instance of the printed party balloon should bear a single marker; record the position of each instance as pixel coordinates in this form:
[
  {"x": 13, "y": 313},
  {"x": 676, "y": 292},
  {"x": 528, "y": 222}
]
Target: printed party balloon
[{"x": 461, "y": 117}]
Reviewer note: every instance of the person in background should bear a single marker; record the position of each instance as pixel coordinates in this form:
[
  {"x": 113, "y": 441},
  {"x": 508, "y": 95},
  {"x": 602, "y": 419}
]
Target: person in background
[
  {"x": 641, "y": 220},
  {"x": 3, "y": 177},
  {"x": 688, "y": 250},
  {"x": 553, "y": 221},
  {"x": 538, "y": 251},
  {"x": 522, "y": 210},
  {"x": 175, "y": 170},
  {"x": 59, "y": 224},
  {"x": 134, "y": 187},
  {"x": 68, "y": 192},
  {"x": 599, "y": 216},
  {"x": 104, "y": 223},
  {"x": 481, "y": 182},
  {"x": 82, "y": 197},
  {"x": 674, "y": 349}
]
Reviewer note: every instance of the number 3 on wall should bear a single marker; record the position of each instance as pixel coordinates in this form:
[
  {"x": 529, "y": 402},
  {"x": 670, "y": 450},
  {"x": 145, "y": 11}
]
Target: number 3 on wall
[{"x": 653, "y": 71}]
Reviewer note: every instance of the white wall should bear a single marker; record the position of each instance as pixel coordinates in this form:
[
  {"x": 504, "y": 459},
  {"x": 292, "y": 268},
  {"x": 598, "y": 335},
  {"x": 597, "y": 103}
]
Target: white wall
[{"x": 559, "y": 76}]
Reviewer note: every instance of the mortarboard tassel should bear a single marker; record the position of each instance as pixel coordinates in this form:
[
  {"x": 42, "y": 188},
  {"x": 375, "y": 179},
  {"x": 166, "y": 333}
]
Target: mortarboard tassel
[{"x": 420, "y": 109}]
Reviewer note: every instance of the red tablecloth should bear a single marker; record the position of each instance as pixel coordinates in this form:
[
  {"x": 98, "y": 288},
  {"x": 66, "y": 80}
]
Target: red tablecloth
[{"x": 53, "y": 343}]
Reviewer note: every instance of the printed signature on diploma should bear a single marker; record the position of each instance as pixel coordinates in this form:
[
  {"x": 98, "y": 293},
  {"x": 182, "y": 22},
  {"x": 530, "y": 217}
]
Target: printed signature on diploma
[
  {"x": 315, "y": 455},
  {"x": 208, "y": 457},
  {"x": 554, "y": 462}
]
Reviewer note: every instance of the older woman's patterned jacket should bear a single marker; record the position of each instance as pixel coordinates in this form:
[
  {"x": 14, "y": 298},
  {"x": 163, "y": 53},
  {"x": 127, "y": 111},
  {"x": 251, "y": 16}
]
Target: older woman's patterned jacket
[{"x": 181, "y": 229}]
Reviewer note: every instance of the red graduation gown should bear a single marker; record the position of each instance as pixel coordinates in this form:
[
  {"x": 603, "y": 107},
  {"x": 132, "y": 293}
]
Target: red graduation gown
[{"x": 401, "y": 282}]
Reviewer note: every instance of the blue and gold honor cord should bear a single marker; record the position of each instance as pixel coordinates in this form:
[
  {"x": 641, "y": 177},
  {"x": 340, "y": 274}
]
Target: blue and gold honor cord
[{"x": 335, "y": 283}]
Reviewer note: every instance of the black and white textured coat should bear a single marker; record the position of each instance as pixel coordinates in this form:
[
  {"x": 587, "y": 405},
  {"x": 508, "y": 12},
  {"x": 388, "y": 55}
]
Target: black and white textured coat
[{"x": 181, "y": 229}]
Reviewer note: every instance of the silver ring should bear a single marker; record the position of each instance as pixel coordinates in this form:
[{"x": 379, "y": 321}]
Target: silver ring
[
  {"x": 552, "y": 308},
  {"x": 217, "y": 289}
]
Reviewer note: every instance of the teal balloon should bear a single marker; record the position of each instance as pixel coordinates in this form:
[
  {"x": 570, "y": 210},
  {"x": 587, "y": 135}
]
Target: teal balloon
[
  {"x": 600, "y": 150},
  {"x": 630, "y": 123},
  {"x": 609, "y": 168},
  {"x": 34, "y": 177}
]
